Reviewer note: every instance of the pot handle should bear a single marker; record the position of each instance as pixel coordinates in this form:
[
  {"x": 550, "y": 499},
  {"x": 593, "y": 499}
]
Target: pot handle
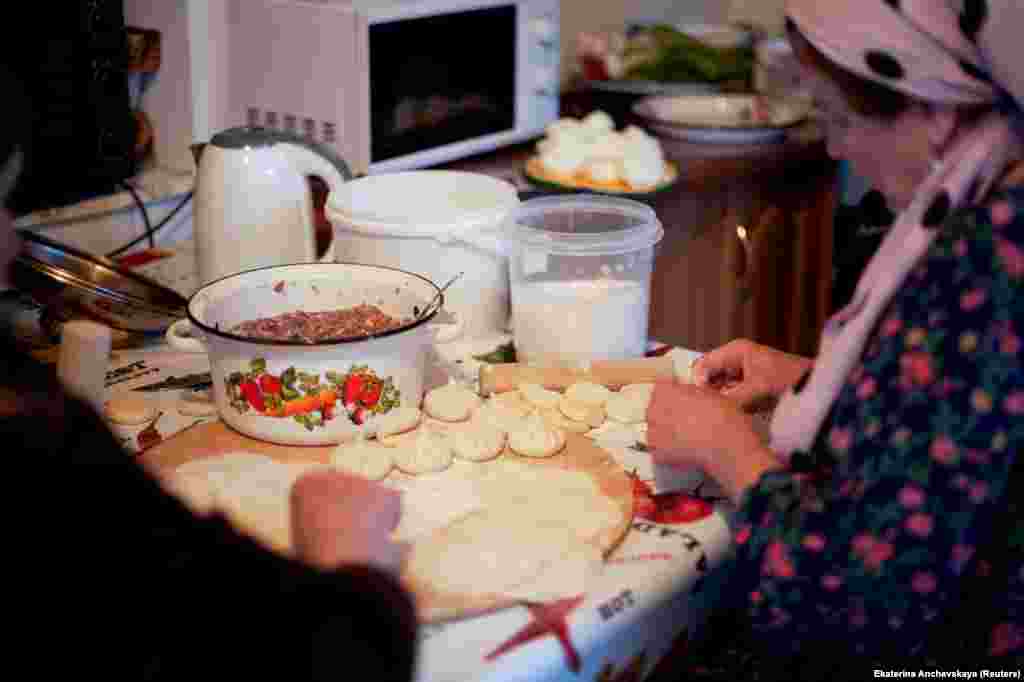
[
  {"x": 446, "y": 332},
  {"x": 179, "y": 336}
]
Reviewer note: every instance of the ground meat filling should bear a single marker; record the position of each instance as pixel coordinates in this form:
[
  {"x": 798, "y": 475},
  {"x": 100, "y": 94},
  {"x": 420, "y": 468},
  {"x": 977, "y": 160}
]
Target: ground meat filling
[{"x": 362, "y": 320}]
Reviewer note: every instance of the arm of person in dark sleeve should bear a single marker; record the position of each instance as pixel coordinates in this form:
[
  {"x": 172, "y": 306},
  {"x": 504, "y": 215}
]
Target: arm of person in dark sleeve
[{"x": 188, "y": 594}]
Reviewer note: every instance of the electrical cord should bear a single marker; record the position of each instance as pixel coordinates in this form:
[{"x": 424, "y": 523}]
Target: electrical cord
[
  {"x": 142, "y": 209},
  {"x": 150, "y": 231}
]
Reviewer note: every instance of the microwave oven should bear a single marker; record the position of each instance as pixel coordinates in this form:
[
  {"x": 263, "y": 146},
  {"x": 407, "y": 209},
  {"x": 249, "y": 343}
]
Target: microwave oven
[{"x": 397, "y": 84}]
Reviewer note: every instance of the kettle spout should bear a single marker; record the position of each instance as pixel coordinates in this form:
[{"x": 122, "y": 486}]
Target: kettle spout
[{"x": 197, "y": 151}]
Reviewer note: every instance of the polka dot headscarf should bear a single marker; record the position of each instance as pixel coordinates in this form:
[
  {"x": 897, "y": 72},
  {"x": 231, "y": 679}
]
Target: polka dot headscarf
[{"x": 947, "y": 52}]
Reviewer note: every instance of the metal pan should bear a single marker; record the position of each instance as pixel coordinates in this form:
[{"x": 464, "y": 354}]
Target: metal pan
[{"x": 58, "y": 275}]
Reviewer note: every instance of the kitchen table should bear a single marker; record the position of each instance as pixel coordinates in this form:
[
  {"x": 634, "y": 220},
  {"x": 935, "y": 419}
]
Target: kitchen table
[{"x": 637, "y": 611}]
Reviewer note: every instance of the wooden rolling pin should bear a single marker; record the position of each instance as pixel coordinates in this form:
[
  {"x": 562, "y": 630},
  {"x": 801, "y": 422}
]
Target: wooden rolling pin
[{"x": 501, "y": 377}]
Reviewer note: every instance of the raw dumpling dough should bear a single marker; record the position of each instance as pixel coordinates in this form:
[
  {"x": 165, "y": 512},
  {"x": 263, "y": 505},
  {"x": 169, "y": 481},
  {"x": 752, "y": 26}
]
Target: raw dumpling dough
[
  {"x": 471, "y": 555},
  {"x": 253, "y": 491},
  {"x": 536, "y": 438},
  {"x": 428, "y": 452},
  {"x": 591, "y": 414},
  {"x": 628, "y": 408},
  {"x": 557, "y": 420},
  {"x": 450, "y": 403},
  {"x": 500, "y": 415},
  {"x": 362, "y": 458},
  {"x": 478, "y": 442},
  {"x": 644, "y": 390},
  {"x": 512, "y": 400},
  {"x": 398, "y": 420},
  {"x": 538, "y": 396},
  {"x": 588, "y": 393}
]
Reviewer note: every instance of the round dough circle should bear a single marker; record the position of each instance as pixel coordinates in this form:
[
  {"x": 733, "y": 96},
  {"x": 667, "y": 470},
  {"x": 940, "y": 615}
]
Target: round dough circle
[
  {"x": 536, "y": 438},
  {"x": 512, "y": 401},
  {"x": 498, "y": 416},
  {"x": 557, "y": 420},
  {"x": 591, "y": 414},
  {"x": 539, "y": 397},
  {"x": 478, "y": 443},
  {"x": 429, "y": 452},
  {"x": 129, "y": 410},
  {"x": 369, "y": 460},
  {"x": 588, "y": 393},
  {"x": 643, "y": 389},
  {"x": 450, "y": 403},
  {"x": 397, "y": 420},
  {"x": 628, "y": 408}
]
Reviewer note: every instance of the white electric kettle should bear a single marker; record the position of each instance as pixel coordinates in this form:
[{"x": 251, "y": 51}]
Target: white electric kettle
[{"x": 253, "y": 206}]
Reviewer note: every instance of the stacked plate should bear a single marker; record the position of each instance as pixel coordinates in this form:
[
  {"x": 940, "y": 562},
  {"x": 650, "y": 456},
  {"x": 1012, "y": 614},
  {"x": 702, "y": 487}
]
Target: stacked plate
[{"x": 719, "y": 118}]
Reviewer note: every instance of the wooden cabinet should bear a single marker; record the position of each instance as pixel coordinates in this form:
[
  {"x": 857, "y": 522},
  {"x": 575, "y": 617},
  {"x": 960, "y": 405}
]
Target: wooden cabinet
[
  {"x": 748, "y": 246},
  {"x": 713, "y": 282}
]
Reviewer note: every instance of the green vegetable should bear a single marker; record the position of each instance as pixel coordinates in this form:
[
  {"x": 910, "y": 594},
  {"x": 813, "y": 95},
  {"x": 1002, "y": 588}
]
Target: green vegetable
[
  {"x": 506, "y": 352},
  {"x": 664, "y": 54}
]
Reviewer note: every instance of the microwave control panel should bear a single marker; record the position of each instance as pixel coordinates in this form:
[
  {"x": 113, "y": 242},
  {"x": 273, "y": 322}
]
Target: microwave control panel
[{"x": 543, "y": 56}]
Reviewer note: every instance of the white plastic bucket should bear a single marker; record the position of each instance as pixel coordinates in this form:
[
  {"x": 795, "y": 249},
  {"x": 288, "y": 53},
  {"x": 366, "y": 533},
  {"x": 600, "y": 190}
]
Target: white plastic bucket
[{"x": 437, "y": 224}]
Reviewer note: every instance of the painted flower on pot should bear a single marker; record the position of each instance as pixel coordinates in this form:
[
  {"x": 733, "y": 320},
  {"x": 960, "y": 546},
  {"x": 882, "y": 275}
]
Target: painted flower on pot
[{"x": 309, "y": 399}]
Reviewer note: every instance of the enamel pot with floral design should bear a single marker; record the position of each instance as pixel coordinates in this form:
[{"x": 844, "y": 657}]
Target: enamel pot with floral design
[{"x": 292, "y": 392}]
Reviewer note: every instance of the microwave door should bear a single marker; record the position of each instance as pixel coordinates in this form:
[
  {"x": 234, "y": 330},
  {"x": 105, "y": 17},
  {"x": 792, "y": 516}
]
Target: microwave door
[{"x": 441, "y": 80}]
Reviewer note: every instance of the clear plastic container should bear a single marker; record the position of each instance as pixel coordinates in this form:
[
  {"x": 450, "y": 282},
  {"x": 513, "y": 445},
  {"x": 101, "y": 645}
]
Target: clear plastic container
[{"x": 580, "y": 278}]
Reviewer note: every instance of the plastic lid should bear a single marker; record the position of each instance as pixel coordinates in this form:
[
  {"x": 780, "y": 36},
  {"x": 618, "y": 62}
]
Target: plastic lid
[
  {"x": 421, "y": 203},
  {"x": 584, "y": 225}
]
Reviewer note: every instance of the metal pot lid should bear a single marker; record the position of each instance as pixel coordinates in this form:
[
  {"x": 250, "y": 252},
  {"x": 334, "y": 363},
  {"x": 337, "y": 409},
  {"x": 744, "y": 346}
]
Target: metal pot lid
[{"x": 96, "y": 274}]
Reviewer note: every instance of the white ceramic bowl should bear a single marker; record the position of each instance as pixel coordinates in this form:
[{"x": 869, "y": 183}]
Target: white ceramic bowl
[{"x": 334, "y": 388}]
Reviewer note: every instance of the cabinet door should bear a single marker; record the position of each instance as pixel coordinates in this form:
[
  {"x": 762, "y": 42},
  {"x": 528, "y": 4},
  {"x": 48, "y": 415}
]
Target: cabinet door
[
  {"x": 749, "y": 258},
  {"x": 783, "y": 269}
]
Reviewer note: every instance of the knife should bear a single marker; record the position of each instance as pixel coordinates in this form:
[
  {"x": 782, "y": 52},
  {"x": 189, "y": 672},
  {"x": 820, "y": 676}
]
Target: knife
[{"x": 173, "y": 383}]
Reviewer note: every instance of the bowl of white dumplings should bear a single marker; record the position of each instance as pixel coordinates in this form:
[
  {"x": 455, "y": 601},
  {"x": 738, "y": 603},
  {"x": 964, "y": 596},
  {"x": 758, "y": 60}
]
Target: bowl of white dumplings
[{"x": 590, "y": 154}]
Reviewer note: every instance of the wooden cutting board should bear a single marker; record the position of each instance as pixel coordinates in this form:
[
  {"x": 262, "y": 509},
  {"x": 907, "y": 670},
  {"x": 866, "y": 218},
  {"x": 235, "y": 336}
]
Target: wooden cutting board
[{"x": 580, "y": 454}]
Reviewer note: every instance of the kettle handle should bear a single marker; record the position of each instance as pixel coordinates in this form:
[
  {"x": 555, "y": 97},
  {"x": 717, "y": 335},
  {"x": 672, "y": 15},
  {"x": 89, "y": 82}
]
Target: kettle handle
[{"x": 312, "y": 158}]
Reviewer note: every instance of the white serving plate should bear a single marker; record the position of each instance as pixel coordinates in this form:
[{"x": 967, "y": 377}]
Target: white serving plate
[
  {"x": 734, "y": 119},
  {"x": 640, "y": 87}
]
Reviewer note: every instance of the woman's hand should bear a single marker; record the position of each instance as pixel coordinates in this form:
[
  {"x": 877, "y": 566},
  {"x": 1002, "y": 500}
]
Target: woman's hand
[
  {"x": 752, "y": 375},
  {"x": 691, "y": 426},
  {"x": 342, "y": 519}
]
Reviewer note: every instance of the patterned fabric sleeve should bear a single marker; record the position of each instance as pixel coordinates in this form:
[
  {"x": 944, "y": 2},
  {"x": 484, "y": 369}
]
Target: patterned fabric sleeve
[{"x": 891, "y": 532}]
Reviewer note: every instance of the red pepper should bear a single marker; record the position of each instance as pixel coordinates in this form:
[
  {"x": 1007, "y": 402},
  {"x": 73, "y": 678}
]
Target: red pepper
[
  {"x": 370, "y": 395},
  {"x": 251, "y": 393},
  {"x": 681, "y": 508},
  {"x": 670, "y": 507},
  {"x": 270, "y": 385},
  {"x": 352, "y": 389},
  {"x": 359, "y": 415}
]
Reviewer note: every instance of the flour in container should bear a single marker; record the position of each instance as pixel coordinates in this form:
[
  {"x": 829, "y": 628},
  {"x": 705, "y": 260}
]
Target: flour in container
[{"x": 579, "y": 320}]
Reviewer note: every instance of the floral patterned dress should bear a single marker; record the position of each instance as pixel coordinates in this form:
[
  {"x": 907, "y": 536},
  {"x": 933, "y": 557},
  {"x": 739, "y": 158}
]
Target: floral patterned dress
[{"x": 897, "y": 540}]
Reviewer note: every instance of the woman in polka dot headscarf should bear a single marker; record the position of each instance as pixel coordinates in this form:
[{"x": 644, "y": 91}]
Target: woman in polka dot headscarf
[{"x": 879, "y": 525}]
